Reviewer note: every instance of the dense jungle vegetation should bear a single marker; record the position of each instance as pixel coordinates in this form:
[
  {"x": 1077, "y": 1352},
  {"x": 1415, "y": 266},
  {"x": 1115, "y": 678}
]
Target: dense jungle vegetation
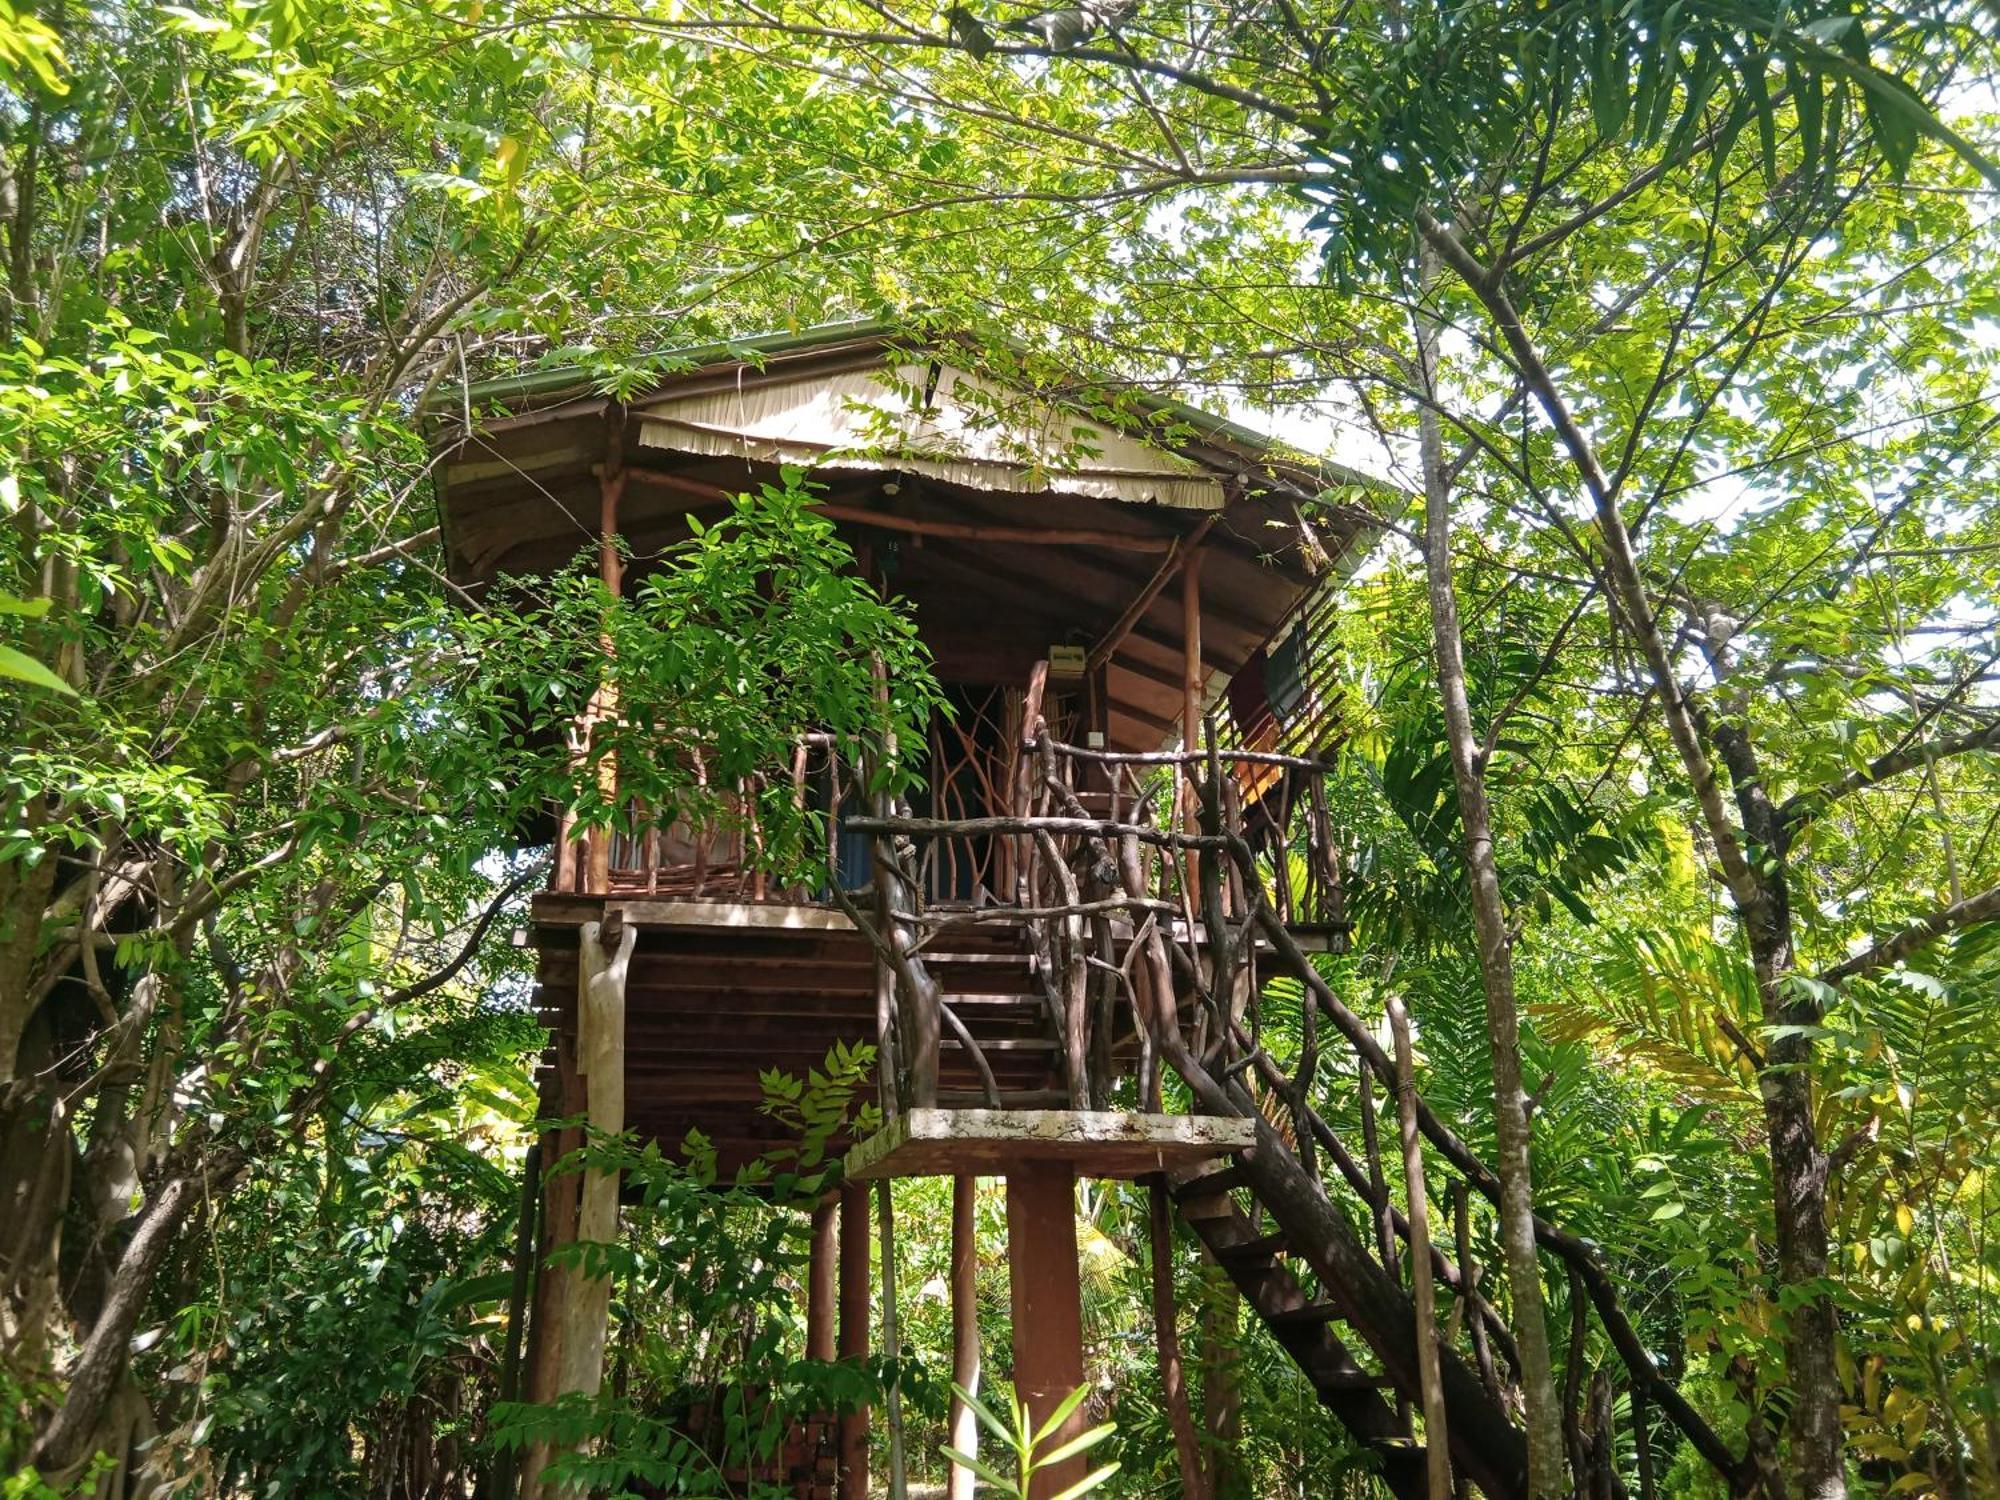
[{"x": 1669, "y": 789}]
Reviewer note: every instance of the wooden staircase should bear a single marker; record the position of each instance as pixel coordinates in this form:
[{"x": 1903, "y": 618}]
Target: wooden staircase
[
  {"x": 987, "y": 978},
  {"x": 1304, "y": 1328},
  {"x": 1267, "y": 1222},
  {"x": 1355, "y": 1339},
  {"x": 1159, "y": 942}
]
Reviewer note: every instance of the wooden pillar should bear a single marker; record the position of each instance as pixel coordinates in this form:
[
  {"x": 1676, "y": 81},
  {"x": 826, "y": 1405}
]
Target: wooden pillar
[
  {"x": 562, "y": 1098},
  {"x": 1191, "y": 695},
  {"x": 1048, "y": 1305},
  {"x": 853, "y": 1477},
  {"x": 964, "y": 1429},
  {"x": 821, "y": 1293},
  {"x": 604, "y": 703},
  {"x": 572, "y": 1311},
  {"x": 1191, "y": 675},
  {"x": 604, "y": 954}
]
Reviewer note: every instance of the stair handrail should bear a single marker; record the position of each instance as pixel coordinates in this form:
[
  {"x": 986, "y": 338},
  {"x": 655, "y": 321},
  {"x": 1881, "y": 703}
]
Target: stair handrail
[{"x": 1224, "y": 836}]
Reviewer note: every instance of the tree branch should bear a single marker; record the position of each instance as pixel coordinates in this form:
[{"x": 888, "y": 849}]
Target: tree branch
[
  {"x": 1809, "y": 804},
  {"x": 1983, "y": 907}
]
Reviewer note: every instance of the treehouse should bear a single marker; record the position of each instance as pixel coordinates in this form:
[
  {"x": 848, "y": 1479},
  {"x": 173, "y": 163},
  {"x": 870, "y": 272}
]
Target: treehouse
[{"x": 1118, "y": 836}]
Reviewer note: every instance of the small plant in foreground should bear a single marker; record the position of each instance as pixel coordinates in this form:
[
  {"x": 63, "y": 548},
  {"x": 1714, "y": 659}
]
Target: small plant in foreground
[{"x": 1031, "y": 1447}]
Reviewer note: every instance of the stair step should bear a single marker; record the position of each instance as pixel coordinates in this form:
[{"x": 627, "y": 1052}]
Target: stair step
[
  {"x": 1009, "y": 1099},
  {"x": 1211, "y": 1184},
  {"x": 992, "y": 997},
  {"x": 1004, "y": 1043},
  {"x": 1251, "y": 1252},
  {"x": 935, "y": 956},
  {"x": 1312, "y": 1315}
]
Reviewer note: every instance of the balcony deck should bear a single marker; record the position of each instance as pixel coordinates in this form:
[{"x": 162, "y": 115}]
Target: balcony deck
[
  {"x": 1000, "y": 972},
  {"x": 719, "y": 992}
]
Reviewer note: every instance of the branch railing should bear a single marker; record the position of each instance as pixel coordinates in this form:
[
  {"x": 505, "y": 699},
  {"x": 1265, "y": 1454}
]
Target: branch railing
[{"x": 1157, "y": 925}]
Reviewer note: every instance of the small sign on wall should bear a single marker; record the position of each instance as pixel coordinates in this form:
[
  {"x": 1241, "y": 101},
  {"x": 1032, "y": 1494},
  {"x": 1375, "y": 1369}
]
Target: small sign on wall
[{"x": 1066, "y": 661}]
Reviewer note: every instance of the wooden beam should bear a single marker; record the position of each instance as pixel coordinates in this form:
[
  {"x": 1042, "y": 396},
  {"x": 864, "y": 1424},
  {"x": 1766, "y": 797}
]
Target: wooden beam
[
  {"x": 473, "y": 471},
  {"x": 1177, "y": 556},
  {"x": 1091, "y": 1143},
  {"x": 861, "y": 515},
  {"x": 680, "y": 484},
  {"x": 1192, "y": 681},
  {"x": 1146, "y": 671},
  {"x": 1055, "y": 536},
  {"x": 767, "y": 916}
]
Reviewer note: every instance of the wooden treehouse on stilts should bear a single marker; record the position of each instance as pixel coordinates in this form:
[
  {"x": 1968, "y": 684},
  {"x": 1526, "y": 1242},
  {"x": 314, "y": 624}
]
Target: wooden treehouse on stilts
[{"x": 1120, "y": 836}]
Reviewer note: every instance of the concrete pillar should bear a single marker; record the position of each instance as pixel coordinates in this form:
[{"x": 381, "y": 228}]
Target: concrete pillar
[
  {"x": 821, "y": 1292},
  {"x": 853, "y": 1477},
  {"x": 1048, "y": 1305}
]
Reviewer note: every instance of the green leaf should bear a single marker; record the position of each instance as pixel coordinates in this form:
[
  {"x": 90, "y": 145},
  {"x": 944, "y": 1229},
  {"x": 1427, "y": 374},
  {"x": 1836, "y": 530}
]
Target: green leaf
[
  {"x": 1089, "y": 1482},
  {"x": 24, "y": 668},
  {"x": 1061, "y": 1414},
  {"x": 985, "y": 1415},
  {"x": 1076, "y": 1445},
  {"x": 983, "y": 1470}
]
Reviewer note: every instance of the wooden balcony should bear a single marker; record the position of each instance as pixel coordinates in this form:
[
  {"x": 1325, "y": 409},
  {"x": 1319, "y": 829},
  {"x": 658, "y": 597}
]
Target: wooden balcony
[{"x": 1013, "y": 942}]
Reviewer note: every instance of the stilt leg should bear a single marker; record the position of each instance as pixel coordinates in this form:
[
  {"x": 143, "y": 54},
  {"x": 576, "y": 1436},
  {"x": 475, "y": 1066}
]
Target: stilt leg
[
  {"x": 1048, "y": 1304},
  {"x": 853, "y": 1483},
  {"x": 821, "y": 1292},
  {"x": 964, "y": 1331}
]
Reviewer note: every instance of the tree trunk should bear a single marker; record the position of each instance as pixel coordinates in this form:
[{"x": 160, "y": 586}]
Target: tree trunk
[
  {"x": 1437, "y": 1445},
  {"x": 100, "y": 1366},
  {"x": 1496, "y": 959},
  {"x": 601, "y": 968},
  {"x": 1798, "y": 1166}
]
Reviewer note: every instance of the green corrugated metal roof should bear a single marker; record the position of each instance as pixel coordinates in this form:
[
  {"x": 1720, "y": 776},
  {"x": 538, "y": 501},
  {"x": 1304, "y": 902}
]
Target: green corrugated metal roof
[{"x": 541, "y": 386}]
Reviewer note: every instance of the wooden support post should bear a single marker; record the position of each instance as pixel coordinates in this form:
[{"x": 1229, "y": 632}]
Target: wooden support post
[
  {"x": 572, "y": 1311},
  {"x": 821, "y": 1292},
  {"x": 1437, "y": 1450},
  {"x": 1048, "y": 1304},
  {"x": 562, "y": 1098},
  {"x": 1108, "y": 644},
  {"x": 604, "y": 703},
  {"x": 1191, "y": 677},
  {"x": 1191, "y": 695},
  {"x": 1167, "y": 1340},
  {"x": 964, "y": 1428},
  {"x": 853, "y": 1478},
  {"x": 892, "y": 1334},
  {"x": 604, "y": 955}
]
